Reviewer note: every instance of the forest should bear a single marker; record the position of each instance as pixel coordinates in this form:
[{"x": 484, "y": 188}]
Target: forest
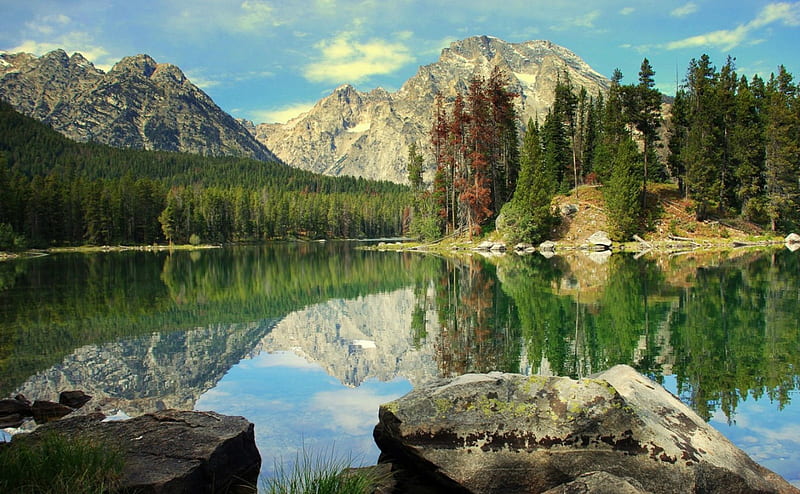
[
  {"x": 730, "y": 143},
  {"x": 54, "y": 191}
]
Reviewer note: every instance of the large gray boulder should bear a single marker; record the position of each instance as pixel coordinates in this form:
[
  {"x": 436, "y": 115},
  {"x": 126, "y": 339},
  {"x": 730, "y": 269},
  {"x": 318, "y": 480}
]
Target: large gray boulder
[
  {"x": 173, "y": 451},
  {"x": 600, "y": 239},
  {"x": 508, "y": 433}
]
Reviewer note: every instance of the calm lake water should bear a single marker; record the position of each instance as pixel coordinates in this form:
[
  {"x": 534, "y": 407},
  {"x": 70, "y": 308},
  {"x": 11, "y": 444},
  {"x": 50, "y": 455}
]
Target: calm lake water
[{"x": 306, "y": 340}]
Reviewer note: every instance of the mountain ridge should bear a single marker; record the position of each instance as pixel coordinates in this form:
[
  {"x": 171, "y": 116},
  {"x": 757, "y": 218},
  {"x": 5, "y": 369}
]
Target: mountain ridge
[
  {"x": 139, "y": 104},
  {"x": 367, "y": 133},
  {"x": 143, "y": 104}
]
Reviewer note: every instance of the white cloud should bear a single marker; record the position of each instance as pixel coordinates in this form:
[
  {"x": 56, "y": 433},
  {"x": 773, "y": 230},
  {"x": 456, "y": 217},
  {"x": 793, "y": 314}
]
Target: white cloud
[
  {"x": 48, "y": 24},
  {"x": 786, "y": 13},
  {"x": 585, "y": 21},
  {"x": 684, "y": 10},
  {"x": 344, "y": 59},
  {"x": 71, "y": 42},
  {"x": 627, "y": 11},
  {"x": 351, "y": 410},
  {"x": 282, "y": 114},
  {"x": 256, "y": 15}
]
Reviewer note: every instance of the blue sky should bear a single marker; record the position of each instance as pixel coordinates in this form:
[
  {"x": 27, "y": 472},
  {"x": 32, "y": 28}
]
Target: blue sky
[{"x": 267, "y": 60}]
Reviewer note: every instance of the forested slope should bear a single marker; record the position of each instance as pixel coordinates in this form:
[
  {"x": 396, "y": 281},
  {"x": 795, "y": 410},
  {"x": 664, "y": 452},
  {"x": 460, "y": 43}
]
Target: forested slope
[{"x": 56, "y": 191}]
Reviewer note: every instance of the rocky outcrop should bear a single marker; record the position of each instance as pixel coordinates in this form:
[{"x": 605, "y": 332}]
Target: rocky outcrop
[
  {"x": 493, "y": 433},
  {"x": 138, "y": 104},
  {"x": 172, "y": 451},
  {"x": 367, "y": 134}
]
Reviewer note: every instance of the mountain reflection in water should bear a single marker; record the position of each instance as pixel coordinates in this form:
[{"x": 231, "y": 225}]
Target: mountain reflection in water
[{"x": 306, "y": 340}]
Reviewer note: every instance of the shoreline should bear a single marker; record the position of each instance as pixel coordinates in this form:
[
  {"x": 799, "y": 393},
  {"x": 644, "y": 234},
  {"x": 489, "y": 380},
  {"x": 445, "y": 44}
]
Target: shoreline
[
  {"x": 91, "y": 249},
  {"x": 663, "y": 246}
]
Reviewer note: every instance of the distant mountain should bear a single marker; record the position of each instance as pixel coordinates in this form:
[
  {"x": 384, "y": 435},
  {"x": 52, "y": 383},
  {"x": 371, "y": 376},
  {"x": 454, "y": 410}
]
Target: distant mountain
[
  {"x": 367, "y": 134},
  {"x": 138, "y": 104}
]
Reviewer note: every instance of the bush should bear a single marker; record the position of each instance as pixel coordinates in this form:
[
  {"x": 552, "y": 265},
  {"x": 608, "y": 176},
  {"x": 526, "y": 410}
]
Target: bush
[
  {"x": 9, "y": 240},
  {"x": 57, "y": 464},
  {"x": 194, "y": 239}
]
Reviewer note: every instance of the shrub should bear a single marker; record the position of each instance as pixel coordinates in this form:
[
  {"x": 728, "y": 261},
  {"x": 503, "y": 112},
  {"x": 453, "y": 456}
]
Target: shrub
[{"x": 321, "y": 475}]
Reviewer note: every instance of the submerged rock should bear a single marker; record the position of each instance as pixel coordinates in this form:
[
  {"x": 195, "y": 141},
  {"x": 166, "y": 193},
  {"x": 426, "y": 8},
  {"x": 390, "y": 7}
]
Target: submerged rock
[
  {"x": 508, "y": 433},
  {"x": 173, "y": 451}
]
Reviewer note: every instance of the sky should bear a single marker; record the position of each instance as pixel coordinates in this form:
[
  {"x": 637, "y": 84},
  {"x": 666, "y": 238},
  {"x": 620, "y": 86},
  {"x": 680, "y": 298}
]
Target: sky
[{"x": 269, "y": 60}]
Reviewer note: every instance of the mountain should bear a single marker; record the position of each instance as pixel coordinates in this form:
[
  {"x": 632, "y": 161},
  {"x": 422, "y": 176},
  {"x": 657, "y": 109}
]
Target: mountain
[
  {"x": 138, "y": 104},
  {"x": 368, "y": 133}
]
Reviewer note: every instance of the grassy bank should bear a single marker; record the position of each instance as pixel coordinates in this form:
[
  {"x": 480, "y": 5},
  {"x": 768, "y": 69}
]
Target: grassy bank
[{"x": 58, "y": 464}]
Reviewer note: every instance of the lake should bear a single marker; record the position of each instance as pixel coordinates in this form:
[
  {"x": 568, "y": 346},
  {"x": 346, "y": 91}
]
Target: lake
[{"x": 306, "y": 340}]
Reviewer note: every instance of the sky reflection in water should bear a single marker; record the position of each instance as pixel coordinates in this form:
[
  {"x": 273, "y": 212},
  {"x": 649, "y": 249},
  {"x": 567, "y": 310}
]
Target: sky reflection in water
[{"x": 297, "y": 406}]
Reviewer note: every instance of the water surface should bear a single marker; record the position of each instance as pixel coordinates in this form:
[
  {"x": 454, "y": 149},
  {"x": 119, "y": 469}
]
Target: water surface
[{"x": 306, "y": 340}]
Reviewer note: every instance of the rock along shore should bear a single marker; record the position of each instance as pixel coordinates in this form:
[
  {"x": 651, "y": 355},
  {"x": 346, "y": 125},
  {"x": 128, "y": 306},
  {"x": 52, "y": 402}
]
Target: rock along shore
[{"x": 617, "y": 431}]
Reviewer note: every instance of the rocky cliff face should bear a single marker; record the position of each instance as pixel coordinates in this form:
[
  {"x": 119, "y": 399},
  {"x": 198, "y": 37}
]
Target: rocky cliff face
[
  {"x": 138, "y": 104},
  {"x": 367, "y": 134}
]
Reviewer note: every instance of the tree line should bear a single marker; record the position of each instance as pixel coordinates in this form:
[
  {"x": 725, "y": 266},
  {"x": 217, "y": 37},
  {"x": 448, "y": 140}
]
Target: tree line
[
  {"x": 54, "y": 191},
  {"x": 731, "y": 144}
]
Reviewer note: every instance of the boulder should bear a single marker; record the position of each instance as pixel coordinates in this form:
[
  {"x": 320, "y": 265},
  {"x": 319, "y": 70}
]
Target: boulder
[
  {"x": 598, "y": 483},
  {"x": 15, "y": 406},
  {"x": 508, "y": 433},
  {"x": 792, "y": 238},
  {"x": 485, "y": 245},
  {"x": 173, "y": 451},
  {"x": 46, "y": 411},
  {"x": 547, "y": 245},
  {"x": 522, "y": 247},
  {"x": 568, "y": 209},
  {"x": 11, "y": 420},
  {"x": 498, "y": 247},
  {"x": 73, "y": 399},
  {"x": 600, "y": 238}
]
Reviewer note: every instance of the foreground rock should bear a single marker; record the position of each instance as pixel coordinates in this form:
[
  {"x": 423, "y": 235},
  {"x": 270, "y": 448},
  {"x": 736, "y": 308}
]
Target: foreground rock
[
  {"x": 493, "y": 433},
  {"x": 173, "y": 451}
]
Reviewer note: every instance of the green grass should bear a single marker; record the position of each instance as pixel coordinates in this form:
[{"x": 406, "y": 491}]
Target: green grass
[
  {"x": 58, "y": 464},
  {"x": 324, "y": 474}
]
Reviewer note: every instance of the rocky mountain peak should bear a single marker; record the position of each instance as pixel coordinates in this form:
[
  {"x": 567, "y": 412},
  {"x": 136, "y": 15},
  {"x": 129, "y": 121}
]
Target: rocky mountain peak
[
  {"x": 368, "y": 133},
  {"x": 138, "y": 104},
  {"x": 139, "y": 64}
]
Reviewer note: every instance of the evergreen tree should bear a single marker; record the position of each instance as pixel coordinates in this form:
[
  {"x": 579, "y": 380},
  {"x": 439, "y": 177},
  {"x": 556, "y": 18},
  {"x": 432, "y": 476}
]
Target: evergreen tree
[
  {"x": 783, "y": 152},
  {"x": 623, "y": 191},
  {"x": 643, "y": 110},
  {"x": 528, "y": 216},
  {"x": 748, "y": 149}
]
